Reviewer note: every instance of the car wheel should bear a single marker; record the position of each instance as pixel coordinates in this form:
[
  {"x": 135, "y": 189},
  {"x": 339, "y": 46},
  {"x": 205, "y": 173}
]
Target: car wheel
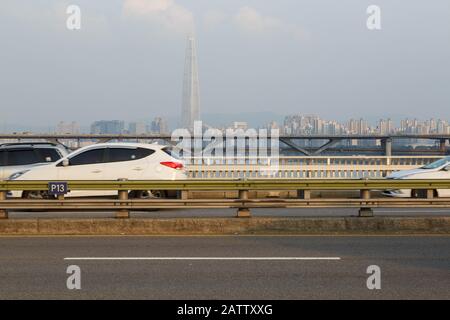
[
  {"x": 422, "y": 194},
  {"x": 418, "y": 194},
  {"x": 139, "y": 194},
  {"x": 144, "y": 194},
  {"x": 36, "y": 195},
  {"x": 158, "y": 194}
]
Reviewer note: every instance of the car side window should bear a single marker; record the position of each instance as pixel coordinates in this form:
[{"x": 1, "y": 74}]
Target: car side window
[
  {"x": 144, "y": 152},
  {"x": 2, "y": 158},
  {"x": 127, "y": 154},
  {"x": 21, "y": 157},
  {"x": 48, "y": 155},
  {"x": 88, "y": 157},
  {"x": 170, "y": 151}
]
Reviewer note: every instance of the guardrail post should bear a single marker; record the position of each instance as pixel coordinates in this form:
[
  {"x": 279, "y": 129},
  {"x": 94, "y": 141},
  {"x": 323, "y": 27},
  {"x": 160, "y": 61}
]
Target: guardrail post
[
  {"x": 304, "y": 194},
  {"x": 430, "y": 193},
  {"x": 365, "y": 194},
  {"x": 3, "y": 212},
  {"x": 365, "y": 211},
  {"x": 243, "y": 212},
  {"x": 123, "y": 195}
]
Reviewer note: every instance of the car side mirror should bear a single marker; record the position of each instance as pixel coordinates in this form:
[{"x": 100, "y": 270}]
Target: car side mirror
[{"x": 65, "y": 162}]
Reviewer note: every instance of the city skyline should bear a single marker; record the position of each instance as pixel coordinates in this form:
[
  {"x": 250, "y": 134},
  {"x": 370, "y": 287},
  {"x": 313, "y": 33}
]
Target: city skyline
[
  {"x": 299, "y": 124},
  {"x": 253, "y": 58}
]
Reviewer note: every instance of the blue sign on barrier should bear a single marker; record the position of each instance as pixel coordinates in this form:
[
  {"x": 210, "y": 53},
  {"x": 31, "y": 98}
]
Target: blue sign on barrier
[{"x": 57, "y": 188}]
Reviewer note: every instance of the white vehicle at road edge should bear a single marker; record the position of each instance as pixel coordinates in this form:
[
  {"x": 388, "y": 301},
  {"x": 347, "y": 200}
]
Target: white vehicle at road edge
[
  {"x": 439, "y": 169},
  {"x": 107, "y": 161},
  {"x": 22, "y": 156}
]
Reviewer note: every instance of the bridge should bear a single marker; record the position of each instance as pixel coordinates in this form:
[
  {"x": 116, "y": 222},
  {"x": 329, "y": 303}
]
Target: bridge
[
  {"x": 295, "y": 173},
  {"x": 287, "y": 142},
  {"x": 310, "y": 164}
]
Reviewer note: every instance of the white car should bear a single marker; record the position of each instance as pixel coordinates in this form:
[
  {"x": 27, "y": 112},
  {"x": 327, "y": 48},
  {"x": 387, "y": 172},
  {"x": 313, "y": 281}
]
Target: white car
[
  {"x": 22, "y": 156},
  {"x": 439, "y": 169},
  {"x": 108, "y": 161}
]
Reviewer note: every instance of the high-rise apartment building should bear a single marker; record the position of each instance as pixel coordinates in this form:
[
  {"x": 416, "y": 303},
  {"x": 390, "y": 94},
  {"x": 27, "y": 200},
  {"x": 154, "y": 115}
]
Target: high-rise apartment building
[
  {"x": 108, "y": 127},
  {"x": 159, "y": 125},
  {"x": 67, "y": 128},
  {"x": 137, "y": 128}
]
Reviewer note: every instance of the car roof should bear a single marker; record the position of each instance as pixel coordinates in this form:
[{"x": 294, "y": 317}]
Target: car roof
[
  {"x": 127, "y": 144},
  {"x": 29, "y": 145},
  {"x": 120, "y": 144}
]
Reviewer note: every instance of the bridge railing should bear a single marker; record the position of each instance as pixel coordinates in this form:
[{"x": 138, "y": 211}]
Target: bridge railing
[
  {"x": 123, "y": 204},
  {"x": 302, "y": 167}
]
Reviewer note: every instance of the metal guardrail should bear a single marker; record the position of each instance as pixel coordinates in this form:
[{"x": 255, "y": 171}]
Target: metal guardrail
[
  {"x": 137, "y": 204},
  {"x": 123, "y": 204},
  {"x": 244, "y": 184}
]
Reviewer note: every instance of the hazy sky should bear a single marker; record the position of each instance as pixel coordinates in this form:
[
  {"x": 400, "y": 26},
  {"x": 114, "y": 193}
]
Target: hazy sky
[{"x": 283, "y": 56}]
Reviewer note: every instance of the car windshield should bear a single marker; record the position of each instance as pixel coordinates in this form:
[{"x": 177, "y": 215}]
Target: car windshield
[{"x": 437, "y": 164}]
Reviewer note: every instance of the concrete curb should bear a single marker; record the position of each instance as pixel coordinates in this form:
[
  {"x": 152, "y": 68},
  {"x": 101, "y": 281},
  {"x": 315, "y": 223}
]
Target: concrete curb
[{"x": 228, "y": 226}]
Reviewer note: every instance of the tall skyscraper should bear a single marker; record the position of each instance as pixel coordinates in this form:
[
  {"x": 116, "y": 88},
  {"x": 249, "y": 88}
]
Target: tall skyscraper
[{"x": 190, "y": 111}]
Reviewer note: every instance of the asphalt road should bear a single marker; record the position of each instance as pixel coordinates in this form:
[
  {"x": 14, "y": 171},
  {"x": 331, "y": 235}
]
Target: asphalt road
[
  {"x": 411, "y": 267},
  {"x": 298, "y": 212}
]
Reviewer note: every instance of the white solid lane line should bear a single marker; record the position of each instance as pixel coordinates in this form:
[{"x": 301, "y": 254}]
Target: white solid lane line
[{"x": 204, "y": 258}]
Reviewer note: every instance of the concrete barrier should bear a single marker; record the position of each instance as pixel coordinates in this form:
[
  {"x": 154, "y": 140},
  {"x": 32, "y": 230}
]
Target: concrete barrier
[{"x": 228, "y": 226}]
